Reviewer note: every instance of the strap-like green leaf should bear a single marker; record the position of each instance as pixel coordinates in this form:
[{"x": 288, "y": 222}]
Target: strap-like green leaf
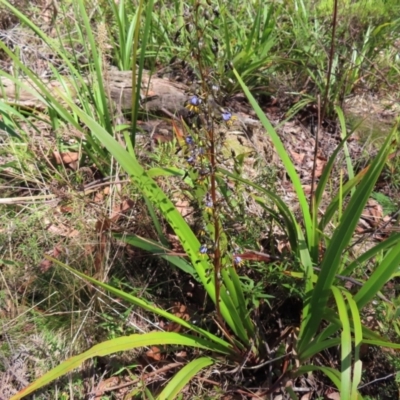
[
  {"x": 357, "y": 329},
  {"x": 179, "y": 381},
  {"x": 149, "y": 307},
  {"x": 345, "y": 345},
  {"x": 340, "y": 240},
  {"x": 379, "y": 277},
  {"x": 289, "y": 167},
  {"x": 113, "y": 346},
  {"x": 158, "y": 250}
]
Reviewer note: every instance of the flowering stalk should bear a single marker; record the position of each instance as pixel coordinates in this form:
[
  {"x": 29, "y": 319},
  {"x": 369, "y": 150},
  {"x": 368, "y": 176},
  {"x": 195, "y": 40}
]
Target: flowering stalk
[{"x": 212, "y": 196}]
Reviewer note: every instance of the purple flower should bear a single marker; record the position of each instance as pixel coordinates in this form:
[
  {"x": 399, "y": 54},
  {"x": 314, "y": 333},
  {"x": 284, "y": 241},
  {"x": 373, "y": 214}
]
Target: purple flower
[
  {"x": 189, "y": 140},
  {"x": 194, "y": 104},
  {"x": 203, "y": 249},
  {"x": 195, "y": 101},
  {"x": 208, "y": 203},
  {"x": 226, "y": 116},
  {"x": 237, "y": 260}
]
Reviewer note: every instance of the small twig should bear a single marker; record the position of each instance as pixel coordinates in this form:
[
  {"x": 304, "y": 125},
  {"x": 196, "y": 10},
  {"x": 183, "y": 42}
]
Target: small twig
[
  {"x": 331, "y": 54},
  {"x": 148, "y": 375},
  {"x": 268, "y": 361},
  {"x": 29, "y": 199},
  {"x": 378, "y": 379},
  {"x": 93, "y": 188},
  {"x": 374, "y": 231},
  {"x": 352, "y": 280},
  {"x": 314, "y": 169}
]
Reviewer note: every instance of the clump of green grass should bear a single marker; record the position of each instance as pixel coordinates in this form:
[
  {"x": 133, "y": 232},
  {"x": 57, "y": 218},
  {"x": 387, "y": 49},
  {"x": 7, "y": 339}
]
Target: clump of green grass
[{"x": 364, "y": 11}]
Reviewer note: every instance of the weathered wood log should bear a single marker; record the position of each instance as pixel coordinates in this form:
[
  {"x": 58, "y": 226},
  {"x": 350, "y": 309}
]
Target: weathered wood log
[{"x": 157, "y": 93}]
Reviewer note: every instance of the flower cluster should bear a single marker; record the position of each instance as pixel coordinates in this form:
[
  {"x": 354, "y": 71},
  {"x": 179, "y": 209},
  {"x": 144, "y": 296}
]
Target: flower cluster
[{"x": 196, "y": 142}]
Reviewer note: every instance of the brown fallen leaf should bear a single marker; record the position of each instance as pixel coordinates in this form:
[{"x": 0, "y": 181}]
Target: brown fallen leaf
[
  {"x": 183, "y": 206},
  {"x": 98, "y": 197},
  {"x": 121, "y": 208},
  {"x": 181, "y": 356},
  {"x": 373, "y": 212},
  {"x": 297, "y": 157},
  {"x": 154, "y": 353},
  {"x": 68, "y": 158},
  {"x": 46, "y": 264},
  {"x": 181, "y": 311},
  {"x": 178, "y": 132},
  {"x": 62, "y": 230},
  {"x": 333, "y": 396},
  {"x": 106, "y": 384},
  {"x": 320, "y": 165}
]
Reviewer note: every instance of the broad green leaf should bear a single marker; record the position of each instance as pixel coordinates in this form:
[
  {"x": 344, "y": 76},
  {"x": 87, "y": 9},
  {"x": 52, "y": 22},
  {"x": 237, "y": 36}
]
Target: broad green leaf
[
  {"x": 234, "y": 290},
  {"x": 379, "y": 277},
  {"x": 113, "y": 346},
  {"x": 180, "y": 379},
  {"x": 156, "y": 222},
  {"x": 331, "y": 373},
  {"x": 340, "y": 240},
  {"x": 284, "y": 156},
  {"x": 158, "y": 250},
  {"x": 160, "y": 171},
  {"x": 358, "y": 337},
  {"x": 316, "y": 347},
  {"x": 146, "y": 306},
  {"x": 345, "y": 346}
]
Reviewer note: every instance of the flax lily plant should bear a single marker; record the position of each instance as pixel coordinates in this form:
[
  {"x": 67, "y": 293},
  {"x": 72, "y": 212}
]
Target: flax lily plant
[{"x": 330, "y": 316}]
